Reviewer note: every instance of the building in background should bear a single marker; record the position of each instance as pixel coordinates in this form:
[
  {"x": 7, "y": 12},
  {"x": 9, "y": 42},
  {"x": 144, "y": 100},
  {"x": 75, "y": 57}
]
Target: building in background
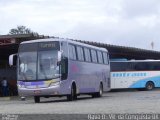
[{"x": 9, "y": 45}]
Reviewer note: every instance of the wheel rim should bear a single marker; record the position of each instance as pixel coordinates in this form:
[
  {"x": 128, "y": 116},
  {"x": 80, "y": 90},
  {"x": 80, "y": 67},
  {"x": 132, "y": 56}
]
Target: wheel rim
[
  {"x": 100, "y": 90},
  {"x": 150, "y": 86}
]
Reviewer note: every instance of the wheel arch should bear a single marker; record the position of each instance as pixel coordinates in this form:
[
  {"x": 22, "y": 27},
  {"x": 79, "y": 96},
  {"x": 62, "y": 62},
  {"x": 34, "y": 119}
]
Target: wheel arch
[
  {"x": 73, "y": 83},
  {"x": 150, "y": 81},
  {"x": 149, "y": 85},
  {"x": 101, "y": 83}
]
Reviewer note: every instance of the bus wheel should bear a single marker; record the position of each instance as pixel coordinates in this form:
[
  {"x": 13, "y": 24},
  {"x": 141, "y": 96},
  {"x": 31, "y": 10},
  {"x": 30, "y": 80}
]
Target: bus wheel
[
  {"x": 73, "y": 95},
  {"x": 100, "y": 93},
  {"x": 149, "y": 86},
  {"x": 36, "y": 99}
]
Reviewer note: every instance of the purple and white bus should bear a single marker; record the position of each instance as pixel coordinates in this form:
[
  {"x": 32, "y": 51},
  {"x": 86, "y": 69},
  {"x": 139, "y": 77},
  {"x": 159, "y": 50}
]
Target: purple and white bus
[{"x": 60, "y": 67}]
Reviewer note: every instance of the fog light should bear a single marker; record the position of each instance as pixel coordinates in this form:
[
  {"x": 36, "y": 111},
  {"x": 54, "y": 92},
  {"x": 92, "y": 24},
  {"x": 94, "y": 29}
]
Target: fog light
[
  {"x": 55, "y": 93},
  {"x": 20, "y": 86},
  {"x": 54, "y": 83}
]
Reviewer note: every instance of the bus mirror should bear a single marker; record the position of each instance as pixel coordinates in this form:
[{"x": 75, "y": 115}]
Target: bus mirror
[
  {"x": 12, "y": 59},
  {"x": 59, "y": 56}
]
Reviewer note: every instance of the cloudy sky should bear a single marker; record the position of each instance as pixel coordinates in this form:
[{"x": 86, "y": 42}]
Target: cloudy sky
[{"x": 134, "y": 23}]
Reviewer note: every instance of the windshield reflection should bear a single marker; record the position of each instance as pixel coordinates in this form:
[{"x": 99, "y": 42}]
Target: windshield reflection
[
  {"x": 27, "y": 66},
  {"x": 47, "y": 64}
]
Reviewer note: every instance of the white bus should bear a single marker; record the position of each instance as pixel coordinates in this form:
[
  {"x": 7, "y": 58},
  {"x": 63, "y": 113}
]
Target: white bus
[
  {"x": 60, "y": 67},
  {"x": 140, "y": 74}
]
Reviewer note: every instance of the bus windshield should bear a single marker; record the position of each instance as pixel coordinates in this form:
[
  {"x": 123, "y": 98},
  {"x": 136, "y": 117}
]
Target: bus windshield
[
  {"x": 38, "y": 63},
  {"x": 27, "y": 66},
  {"x": 47, "y": 64}
]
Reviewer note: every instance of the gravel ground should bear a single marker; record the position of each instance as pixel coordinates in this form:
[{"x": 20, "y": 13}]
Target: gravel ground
[{"x": 131, "y": 101}]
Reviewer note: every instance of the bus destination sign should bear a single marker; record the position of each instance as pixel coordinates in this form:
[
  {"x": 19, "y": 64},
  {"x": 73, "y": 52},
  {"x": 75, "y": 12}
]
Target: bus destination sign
[{"x": 48, "y": 45}]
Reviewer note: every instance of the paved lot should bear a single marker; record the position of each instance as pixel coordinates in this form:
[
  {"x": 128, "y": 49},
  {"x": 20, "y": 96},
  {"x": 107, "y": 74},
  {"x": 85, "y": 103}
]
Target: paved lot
[{"x": 112, "y": 102}]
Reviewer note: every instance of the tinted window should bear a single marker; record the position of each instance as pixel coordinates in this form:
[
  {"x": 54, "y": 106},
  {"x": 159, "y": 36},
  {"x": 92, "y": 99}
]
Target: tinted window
[
  {"x": 100, "y": 58},
  {"x": 121, "y": 66},
  {"x": 155, "y": 66},
  {"x": 134, "y": 66},
  {"x": 72, "y": 52},
  {"x": 127, "y": 66},
  {"x": 147, "y": 65},
  {"x": 94, "y": 56},
  {"x": 87, "y": 55},
  {"x": 29, "y": 47},
  {"x": 105, "y": 58},
  {"x": 80, "y": 53},
  {"x": 141, "y": 66}
]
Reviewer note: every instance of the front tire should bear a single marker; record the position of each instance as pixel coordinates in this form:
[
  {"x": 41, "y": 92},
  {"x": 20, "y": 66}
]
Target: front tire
[
  {"x": 73, "y": 95},
  {"x": 36, "y": 99}
]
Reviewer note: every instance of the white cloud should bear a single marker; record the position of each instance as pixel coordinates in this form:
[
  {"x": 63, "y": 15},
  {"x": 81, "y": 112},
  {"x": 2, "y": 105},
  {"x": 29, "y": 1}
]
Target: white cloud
[
  {"x": 123, "y": 22},
  {"x": 140, "y": 8}
]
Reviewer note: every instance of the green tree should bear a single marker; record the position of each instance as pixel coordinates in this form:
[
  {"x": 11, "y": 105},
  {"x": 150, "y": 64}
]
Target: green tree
[{"x": 21, "y": 30}]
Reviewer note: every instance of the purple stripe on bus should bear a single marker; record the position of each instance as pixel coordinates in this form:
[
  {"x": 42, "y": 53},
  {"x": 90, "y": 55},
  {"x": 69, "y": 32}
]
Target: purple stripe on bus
[
  {"x": 21, "y": 83},
  {"x": 37, "y": 83}
]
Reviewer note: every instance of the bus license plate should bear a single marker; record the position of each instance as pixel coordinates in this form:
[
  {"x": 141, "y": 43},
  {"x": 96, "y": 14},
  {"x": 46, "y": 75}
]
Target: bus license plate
[{"x": 37, "y": 92}]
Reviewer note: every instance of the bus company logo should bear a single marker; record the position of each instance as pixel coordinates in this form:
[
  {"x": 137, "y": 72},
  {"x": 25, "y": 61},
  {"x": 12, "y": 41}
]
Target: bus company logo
[
  {"x": 129, "y": 74},
  {"x": 74, "y": 68}
]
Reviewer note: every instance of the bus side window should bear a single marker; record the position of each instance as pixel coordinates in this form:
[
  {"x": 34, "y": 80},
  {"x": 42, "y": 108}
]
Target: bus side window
[
  {"x": 87, "y": 55},
  {"x": 142, "y": 66},
  {"x": 72, "y": 52},
  {"x": 100, "y": 58},
  {"x": 94, "y": 56},
  {"x": 155, "y": 66},
  {"x": 80, "y": 53},
  {"x": 105, "y": 58}
]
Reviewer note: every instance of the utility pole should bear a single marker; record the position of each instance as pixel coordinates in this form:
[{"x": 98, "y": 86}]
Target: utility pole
[{"x": 152, "y": 45}]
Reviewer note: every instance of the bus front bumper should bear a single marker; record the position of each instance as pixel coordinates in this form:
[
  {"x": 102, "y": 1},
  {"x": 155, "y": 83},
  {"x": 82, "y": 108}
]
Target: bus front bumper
[{"x": 48, "y": 91}]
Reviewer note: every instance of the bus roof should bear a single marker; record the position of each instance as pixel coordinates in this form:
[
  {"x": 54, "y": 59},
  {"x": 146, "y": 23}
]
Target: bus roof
[
  {"x": 147, "y": 60},
  {"x": 60, "y": 39}
]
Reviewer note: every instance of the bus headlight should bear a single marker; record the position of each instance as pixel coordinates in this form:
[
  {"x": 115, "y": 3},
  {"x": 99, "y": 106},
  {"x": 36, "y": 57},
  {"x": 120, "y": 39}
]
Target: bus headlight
[
  {"x": 54, "y": 83},
  {"x": 20, "y": 86}
]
